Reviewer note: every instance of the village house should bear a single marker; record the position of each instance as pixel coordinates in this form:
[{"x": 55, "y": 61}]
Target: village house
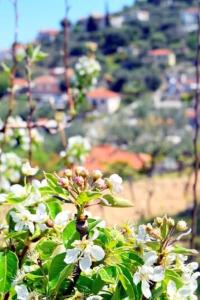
[
  {"x": 102, "y": 156},
  {"x": 46, "y": 88},
  {"x": 20, "y": 84},
  {"x": 137, "y": 15},
  {"x": 162, "y": 56},
  {"x": 5, "y": 55},
  {"x": 104, "y": 100},
  {"x": 189, "y": 19},
  {"x": 47, "y": 35},
  {"x": 116, "y": 21},
  {"x": 98, "y": 19}
]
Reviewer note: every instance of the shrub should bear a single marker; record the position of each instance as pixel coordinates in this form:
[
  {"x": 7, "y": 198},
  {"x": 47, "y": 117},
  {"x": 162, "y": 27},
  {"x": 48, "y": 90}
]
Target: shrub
[{"x": 47, "y": 252}]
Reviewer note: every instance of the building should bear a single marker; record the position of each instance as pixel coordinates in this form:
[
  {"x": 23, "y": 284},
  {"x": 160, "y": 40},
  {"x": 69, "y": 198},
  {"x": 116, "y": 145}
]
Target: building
[
  {"x": 162, "y": 56},
  {"x": 137, "y": 15},
  {"x": 47, "y": 35},
  {"x": 98, "y": 21},
  {"x": 189, "y": 19},
  {"x": 116, "y": 21},
  {"x": 20, "y": 84},
  {"x": 102, "y": 156},
  {"x": 44, "y": 87},
  {"x": 5, "y": 55},
  {"x": 104, "y": 100}
]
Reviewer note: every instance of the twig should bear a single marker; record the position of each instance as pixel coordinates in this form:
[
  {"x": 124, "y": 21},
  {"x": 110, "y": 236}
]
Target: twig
[
  {"x": 31, "y": 106},
  {"x": 195, "y": 141},
  {"x": 11, "y": 97},
  {"x": 66, "y": 57}
]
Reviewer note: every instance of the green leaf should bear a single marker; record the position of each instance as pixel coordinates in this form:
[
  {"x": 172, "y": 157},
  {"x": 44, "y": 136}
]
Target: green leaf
[
  {"x": 54, "y": 186},
  {"x": 134, "y": 257},
  {"x": 6, "y": 69},
  {"x": 8, "y": 270},
  {"x": 116, "y": 201},
  {"x": 70, "y": 234},
  {"x": 106, "y": 276},
  {"x": 174, "y": 276},
  {"x": 59, "y": 271},
  {"x": 54, "y": 208},
  {"x": 184, "y": 251},
  {"x": 87, "y": 196},
  {"x": 46, "y": 248},
  {"x": 128, "y": 286}
]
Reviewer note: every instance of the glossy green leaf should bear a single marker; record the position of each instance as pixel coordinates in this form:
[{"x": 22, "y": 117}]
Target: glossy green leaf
[
  {"x": 70, "y": 234},
  {"x": 8, "y": 270},
  {"x": 115, "y": 201}
]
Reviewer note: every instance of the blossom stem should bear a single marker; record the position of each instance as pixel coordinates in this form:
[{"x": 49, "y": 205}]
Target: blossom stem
[{"x": 82, "y": 228}]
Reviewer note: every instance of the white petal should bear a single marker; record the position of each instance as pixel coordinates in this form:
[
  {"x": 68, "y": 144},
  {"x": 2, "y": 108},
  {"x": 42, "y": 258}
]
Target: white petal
[
  {"x": 62, "y": 218},
  {"x": 85, "y": 263},
  {"x": 36, "y": 183},
  {"x": 150, "y": 258},
  {"x": 136, "y": 278},
  {"x": 3, "y": 198},
  {"x": 146, "y": 289},
  {"x": 171, "y": 289},
  {"x": 18, "y": 190},
  {"x": 97, "y": 252},
  {"x": 72, "y": 255},
  {"x": 158, "y": 274},
  {"x": 22, "y": 292},
  {"x": 31, "y": 227}
]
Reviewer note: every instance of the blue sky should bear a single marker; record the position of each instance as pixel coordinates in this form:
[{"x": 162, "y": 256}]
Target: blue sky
[{"x": 41, "y": 14}]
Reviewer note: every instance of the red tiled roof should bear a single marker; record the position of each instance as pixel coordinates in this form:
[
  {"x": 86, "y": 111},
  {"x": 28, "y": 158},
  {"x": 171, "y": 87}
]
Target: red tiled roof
[
  {"x": 160, "y": 52},
  {"x": 102, "y": 93},
  {"x": 191, "y": 10},
  {"x": 103, "y": 155},
  {"x": 20, "y": 82},
  {"x": 50, "y": 32},
  {"x": 45, "y": 79}
]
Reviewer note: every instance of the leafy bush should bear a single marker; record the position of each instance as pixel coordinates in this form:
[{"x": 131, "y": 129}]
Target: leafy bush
[{"x": 47, "y": 252}]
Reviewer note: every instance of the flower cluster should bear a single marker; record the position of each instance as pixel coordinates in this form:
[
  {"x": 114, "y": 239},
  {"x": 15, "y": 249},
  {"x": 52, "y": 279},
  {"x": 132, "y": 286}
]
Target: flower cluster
[
  {"x": 88, "y": 67},
  {"x": 77, "y": 149},
  {"x": 17, "y": 134},
  {"x": 48, "y": 252}
]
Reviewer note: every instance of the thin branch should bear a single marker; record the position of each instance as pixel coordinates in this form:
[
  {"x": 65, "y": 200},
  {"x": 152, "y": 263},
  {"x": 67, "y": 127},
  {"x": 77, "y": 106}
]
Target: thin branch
[
  {"x": 195, "y": 141},
  {"x": 11, "y": 96},
  {"x": 66, "y": 57},
  {"x": 31, "y": 106}
]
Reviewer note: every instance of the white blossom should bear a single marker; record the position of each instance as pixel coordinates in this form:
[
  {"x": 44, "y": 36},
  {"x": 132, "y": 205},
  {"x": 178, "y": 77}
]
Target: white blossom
[
  {"x": 63, "y": 218},
  {"x": 148, "y": 273},
  {"x": 28, "y": 170},
  {"x": 18, "y": 190},
  {"x": 115, "y": 182},
  {"x": 22, "y": 292},
  {"x": 24, "y": 219},
  {"x": 85, "y": 252}
]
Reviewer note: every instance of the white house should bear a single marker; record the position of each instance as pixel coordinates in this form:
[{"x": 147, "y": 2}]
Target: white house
[
  {"x": 104, "y": 100},
  {"x": 116, "y": 21},
  {"x": 189, "y": 19},
  {"x": 47, "y": 35}
]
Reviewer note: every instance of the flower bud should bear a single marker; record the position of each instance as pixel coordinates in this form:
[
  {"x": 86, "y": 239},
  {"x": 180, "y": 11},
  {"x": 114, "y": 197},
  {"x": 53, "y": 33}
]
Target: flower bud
[
  {"x": 100, "y": 184},
  {"x": 68, "y": 173},
  {"x": 79, "y": 180},
  {"x": 158, "y": 221},
  {"x": 170, "y": 222},
  {"x": 64, "y": 182},
  {"x": 81, "y": 171},
  {"x": 96, "y": 174},
  {"x": 149, "y": 227},
  {"x": 181, "y": 226}
]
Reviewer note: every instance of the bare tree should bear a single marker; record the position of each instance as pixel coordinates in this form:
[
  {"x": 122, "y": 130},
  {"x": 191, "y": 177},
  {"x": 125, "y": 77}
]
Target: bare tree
[{"x": 195, "y": 141}]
